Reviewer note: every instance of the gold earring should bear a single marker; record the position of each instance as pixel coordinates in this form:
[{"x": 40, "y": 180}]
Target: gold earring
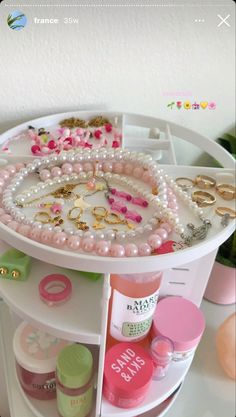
[
  {"x": 43, "y": 217},
  {"x": 71, "y": 217},
  {"x": 113, "y": 218},
  {"x": 99, "y": 212},
  {"x": 3, "y": 271},
  {"x": 15, "y": 274}
]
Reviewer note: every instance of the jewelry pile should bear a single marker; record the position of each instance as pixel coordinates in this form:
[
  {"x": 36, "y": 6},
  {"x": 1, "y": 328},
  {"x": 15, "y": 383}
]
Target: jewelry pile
[
  {"x": 72, "y": 134},
  {"x": 130, "y": 184}
]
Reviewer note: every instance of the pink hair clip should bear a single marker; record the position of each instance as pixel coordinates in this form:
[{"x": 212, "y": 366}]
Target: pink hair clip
[{"x": 133, "y": 215}]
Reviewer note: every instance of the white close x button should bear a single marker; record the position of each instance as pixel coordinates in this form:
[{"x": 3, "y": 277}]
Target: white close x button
[{"x": 223, "y": 20}]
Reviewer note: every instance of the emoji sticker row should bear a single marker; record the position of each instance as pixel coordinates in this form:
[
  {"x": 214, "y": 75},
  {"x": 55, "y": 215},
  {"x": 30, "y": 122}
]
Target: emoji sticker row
[{"x": 187, "y": 105}]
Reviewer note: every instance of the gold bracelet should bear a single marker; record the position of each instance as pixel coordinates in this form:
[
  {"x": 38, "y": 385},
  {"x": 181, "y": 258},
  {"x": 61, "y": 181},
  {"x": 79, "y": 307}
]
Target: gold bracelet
[
  {"x": 203, "y": 199},
  {"x": 204, "y": 181}
]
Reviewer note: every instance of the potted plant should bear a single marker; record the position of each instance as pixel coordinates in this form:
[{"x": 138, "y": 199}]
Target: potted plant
[{"x": 221, "y": 288}]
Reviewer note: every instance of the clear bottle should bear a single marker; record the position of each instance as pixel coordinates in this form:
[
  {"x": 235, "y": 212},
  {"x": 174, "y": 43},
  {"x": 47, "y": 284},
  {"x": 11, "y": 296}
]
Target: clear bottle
[{"x": 132, "y": 306}]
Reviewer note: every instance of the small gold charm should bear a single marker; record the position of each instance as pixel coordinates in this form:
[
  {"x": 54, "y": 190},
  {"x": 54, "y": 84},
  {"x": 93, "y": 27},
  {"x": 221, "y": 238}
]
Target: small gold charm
[
  {"x": 154, "y": 191},
  {"x": 82, "y": 226},
  {"x": 98, "y": 226},
  {"x": 3, "y": 271},
  {"x": 80, "y": 203},
  {"x": 15, "y": 274},
  {"x": 130, "y": 226}
]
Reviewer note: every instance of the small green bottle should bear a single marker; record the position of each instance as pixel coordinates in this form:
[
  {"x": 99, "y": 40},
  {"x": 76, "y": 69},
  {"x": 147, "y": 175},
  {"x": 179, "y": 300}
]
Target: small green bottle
[{"x": 74, "y": 381}]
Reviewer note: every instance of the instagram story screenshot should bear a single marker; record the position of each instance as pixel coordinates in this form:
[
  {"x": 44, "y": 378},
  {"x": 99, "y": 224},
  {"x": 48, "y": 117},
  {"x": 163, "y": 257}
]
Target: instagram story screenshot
[{"x": 117, "y": 208}]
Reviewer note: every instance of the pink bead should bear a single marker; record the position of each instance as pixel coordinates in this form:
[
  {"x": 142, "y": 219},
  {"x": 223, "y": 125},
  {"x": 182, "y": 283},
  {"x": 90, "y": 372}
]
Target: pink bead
[
  {"x": 118, "y": 206},
  {"x": 128, "y": 169},
  {"x": 2, "y": 182},
  {"x": 115, "y": 144},
  {"x": 138, "y": 172},
  {"x": 107, "y": 166},
  {"x": 45, "y": 174},
  {"x": 108, "y": 127},
  {"x": 19, "y": 166},
  {"x": 35, "y": 149},
  {"x": 11, "y": 169},
  {"x": 118, "y": 168},
  {"x": 155, "y": 241},
  {"x": 144, "y": 249},
  {"x": 117, "y": 251},
  {"x": 162, "y": 233},
  {"x": 35, "y": 234},
  {"x": 56, "y": 208},
  {"x": 88, "y": 167},
  {"x": 73, "y": 242},
  {"x": 146, "y": 177},
  {"x": 91, "y": 185},
  {"x": 88, "y": 244},
  {"x": 52, "y": 144},
  {"x": 131, "y": 250},
  {"x": 97, "y": 134},
  {"x": 78, "y": 168},
  {"x": 24, "y": 230},
  {"x": 59, "y": 239},
  {"x": 56, "y": 172},
  {"x": 102, "y": 248},
  {"x": 13, "y": 225},
  {"x": 133, "y": 215},
  {"x": 167, "y": 227},
  {"x": 46, "y": 237},
  {"x": 4, "y": 174},
  {"x": 121, "y": 194},
  {"x": 6, "y": 218},
  {"x": 67, "y": 169},
  {"x": 139, "y": 201}
]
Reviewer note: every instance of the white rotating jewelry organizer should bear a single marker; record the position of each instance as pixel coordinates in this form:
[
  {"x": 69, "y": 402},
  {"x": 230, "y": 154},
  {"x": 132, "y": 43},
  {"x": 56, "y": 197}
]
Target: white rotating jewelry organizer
[{"x": 186, "y": 272}]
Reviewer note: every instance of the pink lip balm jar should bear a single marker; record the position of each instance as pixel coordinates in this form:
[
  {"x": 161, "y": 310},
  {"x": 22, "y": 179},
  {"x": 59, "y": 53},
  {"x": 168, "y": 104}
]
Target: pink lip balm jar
[
  {"x": 182, "y": 322},
  {"x": 127, "y": 375},
  {"x": 36, "y": 354}
]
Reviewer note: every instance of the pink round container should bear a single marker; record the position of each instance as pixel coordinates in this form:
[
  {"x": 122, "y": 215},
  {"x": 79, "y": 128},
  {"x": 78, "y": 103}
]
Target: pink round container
[
  {"x": 36, "y": 354},
  {"x": 127, "y": 375},
  {"x": 182, "y": 322}
]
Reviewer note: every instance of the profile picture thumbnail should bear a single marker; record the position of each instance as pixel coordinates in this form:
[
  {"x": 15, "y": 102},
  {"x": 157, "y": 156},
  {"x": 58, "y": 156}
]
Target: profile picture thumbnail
[{"x": 16, "y": 20}]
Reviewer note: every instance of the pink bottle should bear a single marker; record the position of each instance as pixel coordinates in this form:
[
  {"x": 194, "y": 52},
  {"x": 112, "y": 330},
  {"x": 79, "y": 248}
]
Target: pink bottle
[
  {"x": 36, "y": 354},
  {"x": 132, "y": 306}
]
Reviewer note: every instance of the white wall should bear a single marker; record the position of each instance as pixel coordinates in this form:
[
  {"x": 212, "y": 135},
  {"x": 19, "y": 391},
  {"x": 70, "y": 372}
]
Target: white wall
[{"x": 120, "y": 58}]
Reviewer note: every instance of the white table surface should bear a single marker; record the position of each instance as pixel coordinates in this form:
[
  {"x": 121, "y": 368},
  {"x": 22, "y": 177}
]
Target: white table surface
[{"x": 207, "y": 391}]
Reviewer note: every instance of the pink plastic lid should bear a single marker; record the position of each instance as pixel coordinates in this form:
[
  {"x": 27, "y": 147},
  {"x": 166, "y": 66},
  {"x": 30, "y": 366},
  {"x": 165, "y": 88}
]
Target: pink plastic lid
[
  {"x": 128, "y": 370},
  {"x": 180, "y": 320}
]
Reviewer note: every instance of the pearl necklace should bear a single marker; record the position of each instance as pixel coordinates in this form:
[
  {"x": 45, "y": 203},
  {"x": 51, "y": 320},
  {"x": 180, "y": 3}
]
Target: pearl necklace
[{"x": 104, "y": 248}]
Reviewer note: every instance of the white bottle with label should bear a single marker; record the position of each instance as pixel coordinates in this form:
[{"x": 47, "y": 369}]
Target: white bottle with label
[{"x": 132, "y": 306}]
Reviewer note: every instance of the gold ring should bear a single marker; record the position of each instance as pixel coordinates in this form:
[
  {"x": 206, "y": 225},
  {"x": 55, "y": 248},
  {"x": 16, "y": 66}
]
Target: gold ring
[
  {"x": 69, "y": 215},
  {"x": 113, "y": 218},
  {"x": 184, "y": 182},
  {"x": 226, "y": 191},
  {"x": 204, "y": 182},
  {"x": 43, "y": 217},
  {"x": 221, "y": 211},
  {"x": 203, "y": 199},
  {"x": 99, "y": 212}
]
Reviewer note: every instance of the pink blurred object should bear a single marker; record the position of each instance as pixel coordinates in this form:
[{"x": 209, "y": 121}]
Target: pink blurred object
[
  {"x": 225, "y": 346},
  {"x": 221, "y": 287}
]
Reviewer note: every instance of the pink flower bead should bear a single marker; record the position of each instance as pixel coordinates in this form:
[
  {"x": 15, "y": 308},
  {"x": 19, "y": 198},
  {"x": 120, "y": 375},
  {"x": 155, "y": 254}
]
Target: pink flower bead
[
  {"x": 162, "y": 233},
  {"x": 35, "y": 234},
  {"x": 131, "y": 250},
  {"x": 102, "y": 248},
  {"x": 88, "y": 167},
  {"x": 11, "y": 169},
  {"x": 144, "y": 249},
  {"x": 13, "y": 225},
  {"x": 52, "y": 144},
  {"x": 56, "y": 208},
  {"x": 88, "y": 244},
  {"x": 19, "y": 166},
  {"x": 56, "y": 172},
  {"x": 97, "y": 134},
  {"x": 59, "y": 239},
  {"x": 73, "y": 242},
  {"x": 107, "y": 166},
  {"x": 117, "y": 251},
  {"x": 128, "y": 169},
  {"x": 2, "y": 182},
  {"x": 4, "y": 174},
  {"x": 146, "y": 177},
  {"x": 45, "y": 174},
  {"x": 78, "y": 168},
  {"x": 167, "y": 227},
  {"x": 6, "y": 218},
  {"x": 108, "y": 127},
  {"x": 138, "y": 172},
  {"x": 115, "y": 144},
  {"x": 118, "y": 168},
  {"x": 24, "y": 230},
  {"x": 35, "y": 149},
  {"x": 46, "y": 237},
  {"x": 67, "y": 169},
  {"x": 155, "y": 241}
]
